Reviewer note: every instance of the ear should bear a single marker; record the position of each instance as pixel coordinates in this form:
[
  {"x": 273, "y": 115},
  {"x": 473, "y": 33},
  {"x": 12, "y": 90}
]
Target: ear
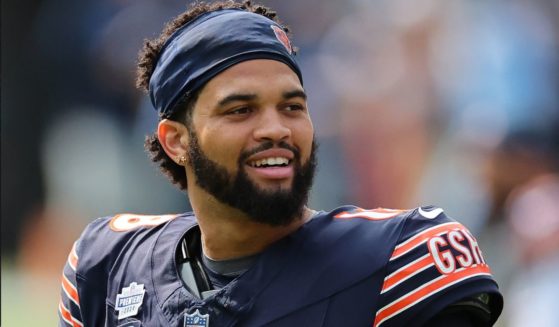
[{"x": 173, "y": 137}]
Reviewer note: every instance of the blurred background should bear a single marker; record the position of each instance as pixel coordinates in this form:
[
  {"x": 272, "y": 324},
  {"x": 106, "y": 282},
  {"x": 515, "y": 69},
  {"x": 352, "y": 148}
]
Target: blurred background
[{"x": 447, "y": 102}]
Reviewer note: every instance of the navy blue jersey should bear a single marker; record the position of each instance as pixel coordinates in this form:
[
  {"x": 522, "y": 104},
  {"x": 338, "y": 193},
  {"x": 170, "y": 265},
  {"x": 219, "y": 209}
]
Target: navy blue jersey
[{"x": 348, "y": 267}]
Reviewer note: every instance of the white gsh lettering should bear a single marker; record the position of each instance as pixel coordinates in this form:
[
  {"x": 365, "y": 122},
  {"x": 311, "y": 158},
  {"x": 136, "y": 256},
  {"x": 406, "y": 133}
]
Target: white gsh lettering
[{"x": 445, "y": 260}]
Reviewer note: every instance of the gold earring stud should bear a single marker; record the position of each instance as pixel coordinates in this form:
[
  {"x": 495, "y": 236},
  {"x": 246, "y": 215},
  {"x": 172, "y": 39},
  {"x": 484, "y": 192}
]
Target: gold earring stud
[{"x": 182, "y": 160}]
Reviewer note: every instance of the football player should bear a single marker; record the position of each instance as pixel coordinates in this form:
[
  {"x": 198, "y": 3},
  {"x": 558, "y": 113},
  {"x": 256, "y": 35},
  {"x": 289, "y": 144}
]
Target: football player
[{"x": 236, "y": 135}]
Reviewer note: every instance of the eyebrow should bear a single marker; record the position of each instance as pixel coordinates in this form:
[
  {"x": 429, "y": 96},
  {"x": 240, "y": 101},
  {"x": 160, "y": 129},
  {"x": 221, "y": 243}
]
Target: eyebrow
[
  {"x": 249, "y": 97},
  {"x": 295, "y": 94},
  {"x": 236, "y": 97}
]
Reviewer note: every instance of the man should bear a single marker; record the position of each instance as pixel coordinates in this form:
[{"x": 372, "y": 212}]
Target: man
[{"x": 236, "y": 134}]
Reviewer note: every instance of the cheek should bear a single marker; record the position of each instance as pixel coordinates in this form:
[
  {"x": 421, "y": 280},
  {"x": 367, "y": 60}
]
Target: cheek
[
  {"x": 305, "y": 136},
  {"x": 222, "y": 146}
]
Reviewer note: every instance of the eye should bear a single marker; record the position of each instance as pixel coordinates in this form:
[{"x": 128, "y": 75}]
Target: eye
[
  {"x": 294, "y": 107},
  {"x": 239, "y": 111}
]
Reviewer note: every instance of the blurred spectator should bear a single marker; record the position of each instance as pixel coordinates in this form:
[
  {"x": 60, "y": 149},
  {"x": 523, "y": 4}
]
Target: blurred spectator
[
  {"x": 523, "y": 236},
  {"x": 533, "y": 216},
  {"x": 375, "y": 61},
  {"x": 92, "y": 149}
]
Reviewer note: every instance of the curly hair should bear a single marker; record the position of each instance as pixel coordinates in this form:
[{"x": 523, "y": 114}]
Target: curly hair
[{"x": 146, "y": 64}]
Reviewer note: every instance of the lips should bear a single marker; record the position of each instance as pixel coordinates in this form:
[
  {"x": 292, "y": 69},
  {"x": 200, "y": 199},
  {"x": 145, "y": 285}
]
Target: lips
[
  {"x": 272, "y": 164},
  {"x": 271, "y": 157}
]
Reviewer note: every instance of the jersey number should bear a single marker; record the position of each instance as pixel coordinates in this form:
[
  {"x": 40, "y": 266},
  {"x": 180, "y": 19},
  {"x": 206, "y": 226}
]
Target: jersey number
[
  {"x": 125, "y": 222},
  {"x": 374, "y": 214}
]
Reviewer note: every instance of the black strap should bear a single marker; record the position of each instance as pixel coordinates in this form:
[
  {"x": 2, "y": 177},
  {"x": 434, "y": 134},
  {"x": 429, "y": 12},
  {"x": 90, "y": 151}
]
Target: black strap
[
  {"x": 188, "y": 254},
  {"x": 472, "y": 311}
]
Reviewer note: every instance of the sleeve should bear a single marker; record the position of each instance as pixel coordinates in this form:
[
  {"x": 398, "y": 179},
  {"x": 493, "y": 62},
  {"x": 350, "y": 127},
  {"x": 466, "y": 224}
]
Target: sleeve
[
  {"x": 87, "y": 273},
  {"x": 457, "y": 319},
  {"x": 84, "y": 277},
  {"x": 69, "y": 306},
  {"x": 436, "y": 262}
]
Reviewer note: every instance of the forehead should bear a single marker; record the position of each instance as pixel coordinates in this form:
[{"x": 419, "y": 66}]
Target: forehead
[{"x": 261, "y": 77}]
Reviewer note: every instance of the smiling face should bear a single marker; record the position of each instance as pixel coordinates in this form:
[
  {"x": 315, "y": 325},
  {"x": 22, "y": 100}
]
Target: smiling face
[{"x": 251, "y": 141}]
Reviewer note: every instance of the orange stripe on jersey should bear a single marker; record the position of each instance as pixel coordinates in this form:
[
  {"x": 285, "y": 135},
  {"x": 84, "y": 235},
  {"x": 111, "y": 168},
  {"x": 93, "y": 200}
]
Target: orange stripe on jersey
[
  {"x": 407, "y": 271},
  {"x": 428, "y": 289},
  {"x": 70, "y": 290},
  {"x": 422, "y": 237},
  {"x": 73, "y": 258},
  {"x": 67, "y": 316},
  {"x": 375, "y": 214}
]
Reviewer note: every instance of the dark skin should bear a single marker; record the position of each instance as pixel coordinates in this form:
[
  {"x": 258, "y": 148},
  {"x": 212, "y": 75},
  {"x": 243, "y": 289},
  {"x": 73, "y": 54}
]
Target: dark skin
[{"x": 250, "y": 103}]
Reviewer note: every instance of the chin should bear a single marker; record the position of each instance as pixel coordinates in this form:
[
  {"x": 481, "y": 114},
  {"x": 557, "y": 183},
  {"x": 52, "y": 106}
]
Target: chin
[{"x": 274, "y": 185}]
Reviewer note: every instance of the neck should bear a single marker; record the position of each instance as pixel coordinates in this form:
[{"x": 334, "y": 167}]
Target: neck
[{"x": 228, "y": 233}]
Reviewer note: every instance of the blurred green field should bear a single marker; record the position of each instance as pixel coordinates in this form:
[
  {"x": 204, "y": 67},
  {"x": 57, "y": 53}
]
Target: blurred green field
[{"x": 28, "y": 300}]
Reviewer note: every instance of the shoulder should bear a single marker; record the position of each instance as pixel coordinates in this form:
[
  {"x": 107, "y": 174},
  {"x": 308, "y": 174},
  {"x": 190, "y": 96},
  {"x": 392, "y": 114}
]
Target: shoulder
[
  {"x": 379, "y": 227},
  {"x": 104, "y": 239},
  {"x": 395, "y": 234},
  {"x": 348, "y": 237},
  {"x": 426, "y": 215},
  {"x": 351, "y": 229},
  {"x": 435, "y": 262},
  {"x": 407, "y": 229},
  {"x": 89, "y": 270},
  {"x": 427, "y": 260},
  {"x": 351, "y": 216}
]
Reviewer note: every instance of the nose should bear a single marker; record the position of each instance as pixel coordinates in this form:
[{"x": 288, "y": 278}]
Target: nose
[{"x": 272, "y": 127}]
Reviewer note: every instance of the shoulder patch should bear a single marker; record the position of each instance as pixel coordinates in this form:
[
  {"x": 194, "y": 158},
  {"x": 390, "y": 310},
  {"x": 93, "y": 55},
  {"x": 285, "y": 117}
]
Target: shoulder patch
[
  {"x": 372, "y": 214},
  {"x": 129, "y": 301},
  {"x": 126, "y": 221},
  {"x": 426, "y": 265}
]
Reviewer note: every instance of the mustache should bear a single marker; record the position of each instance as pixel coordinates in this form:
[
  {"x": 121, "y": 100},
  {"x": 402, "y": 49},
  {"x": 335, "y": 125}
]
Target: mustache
[{"x": 266, "y": 146}]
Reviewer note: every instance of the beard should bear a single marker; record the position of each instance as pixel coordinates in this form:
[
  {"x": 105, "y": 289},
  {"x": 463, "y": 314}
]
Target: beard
[{"x": 275, "y": 207}]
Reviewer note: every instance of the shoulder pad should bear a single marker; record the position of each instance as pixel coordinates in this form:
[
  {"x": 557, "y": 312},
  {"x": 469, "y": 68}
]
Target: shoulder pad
[
  {"x": 104, "y": 239},
  {"x": 436, "y": 262}
]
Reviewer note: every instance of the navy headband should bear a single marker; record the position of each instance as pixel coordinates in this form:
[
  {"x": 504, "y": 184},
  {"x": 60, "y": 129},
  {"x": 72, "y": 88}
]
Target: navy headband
[{"x": 210, "y": 44}]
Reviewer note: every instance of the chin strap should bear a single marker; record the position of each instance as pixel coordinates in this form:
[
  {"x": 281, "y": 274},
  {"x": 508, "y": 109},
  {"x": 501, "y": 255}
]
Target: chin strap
[{"x": 193, "y": 275}]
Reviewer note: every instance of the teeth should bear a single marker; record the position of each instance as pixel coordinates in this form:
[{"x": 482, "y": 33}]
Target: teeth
[{"x": 270, "y": 162}]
